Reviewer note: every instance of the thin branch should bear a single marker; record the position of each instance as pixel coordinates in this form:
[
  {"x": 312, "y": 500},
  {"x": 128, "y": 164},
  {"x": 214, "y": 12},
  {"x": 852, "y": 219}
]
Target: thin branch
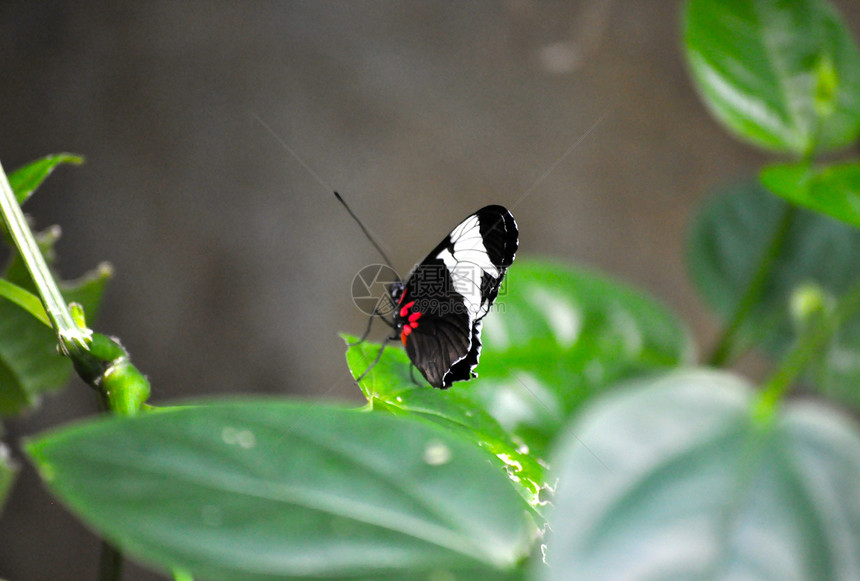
[
  {"x": 728, "y": 341},
  {"x": 69, "y": 335}
]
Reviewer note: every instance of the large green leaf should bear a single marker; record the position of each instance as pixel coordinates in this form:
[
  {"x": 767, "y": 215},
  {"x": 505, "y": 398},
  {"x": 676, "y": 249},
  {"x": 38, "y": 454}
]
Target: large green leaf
[
  {"x": 782, "y": 75},
  {"x": 26, "y": 179},
  {"x": 730, "y": 235},
  {"x": 388, "y": 387},
  {"x": 673, "y": 479},
  {"x": 266, "y": 489},
  {"x": 29, "y": 362},
  {"x": 833, "y": 190}
]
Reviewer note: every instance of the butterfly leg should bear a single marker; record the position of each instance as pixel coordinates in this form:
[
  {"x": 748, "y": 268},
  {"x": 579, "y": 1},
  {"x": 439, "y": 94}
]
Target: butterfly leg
[
  {"x": 375, "y": 361},
  {"x": 366, "y": 331},
  {"x": 387, "y": 322},
  {"x": 369, "y": 325}
]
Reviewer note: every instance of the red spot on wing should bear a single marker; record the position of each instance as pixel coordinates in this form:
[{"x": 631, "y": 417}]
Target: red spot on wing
[
  {"x": 405, "y": 309},
  {"x": 405, "y": 333},
  {"x": 413, "y": 318}
]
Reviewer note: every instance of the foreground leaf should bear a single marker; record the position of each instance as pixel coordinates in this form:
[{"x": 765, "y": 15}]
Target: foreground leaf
[
  {"x": 389, "y": 388},
  {"x": 782, "y": 75},
  {"x": 25, "y": 180},
  {"x": 833, "y": 190},
  {"x": 266, "y": 489},
  {"x": 673, "y": 479}
]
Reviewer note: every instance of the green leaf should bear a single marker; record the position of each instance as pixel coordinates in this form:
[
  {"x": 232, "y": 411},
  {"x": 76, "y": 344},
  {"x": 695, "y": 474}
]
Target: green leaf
[
  {"x": 8, "y": 471},
  {"x": 25, "y": 180},
  {"x": 24, "y": 299},
  {"x": 672, "y": 479},
  {"x": 14, "y": 396},
  {"x": 389, "y": 388},
  {"x": 561, "y": 335},
  {"x": 782, "y": 75},
  {"x": 265, "y": 489},
  {"x": 558, "y": 336},
  {"x": 730, "y": 235},
  {"x": 29, "y": 362},
  {"x": 832, "y": 190},
  {"x": 728, "y": 239}
]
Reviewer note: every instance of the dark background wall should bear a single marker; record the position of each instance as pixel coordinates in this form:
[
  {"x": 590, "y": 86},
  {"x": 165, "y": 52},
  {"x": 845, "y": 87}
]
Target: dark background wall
[{"x": 233, "y": 261}]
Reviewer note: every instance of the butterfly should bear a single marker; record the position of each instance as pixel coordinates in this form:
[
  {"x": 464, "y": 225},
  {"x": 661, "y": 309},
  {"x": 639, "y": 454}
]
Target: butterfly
[{"x": 438, "y": 310}]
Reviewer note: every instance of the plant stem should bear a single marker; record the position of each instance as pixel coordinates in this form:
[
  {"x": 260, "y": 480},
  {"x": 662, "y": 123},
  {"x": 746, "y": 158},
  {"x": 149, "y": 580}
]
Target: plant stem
[
  {"x": 728, "y": 341},
  {"x": 70, "y": 336},
  {"x": 808, "y": 346},
  {"x": 74, "y": 340}
]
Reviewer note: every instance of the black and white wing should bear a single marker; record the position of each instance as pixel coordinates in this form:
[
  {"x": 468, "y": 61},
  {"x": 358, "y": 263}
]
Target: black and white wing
[{"x": 440, "y": 307}]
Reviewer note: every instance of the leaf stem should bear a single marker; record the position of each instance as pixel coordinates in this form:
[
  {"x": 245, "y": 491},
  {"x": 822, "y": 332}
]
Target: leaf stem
[
  {"x": 70, "y": 336},
  {"x": 727, "y": 343},
  {"x": 808, "y": 346}
]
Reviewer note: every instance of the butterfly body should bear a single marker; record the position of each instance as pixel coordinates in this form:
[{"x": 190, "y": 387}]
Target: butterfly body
[{"x": 439, "y": 309}]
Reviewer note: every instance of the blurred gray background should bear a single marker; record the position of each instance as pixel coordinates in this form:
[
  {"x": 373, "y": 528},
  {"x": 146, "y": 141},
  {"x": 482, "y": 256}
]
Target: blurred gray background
[{"x": 233, "y": 261}]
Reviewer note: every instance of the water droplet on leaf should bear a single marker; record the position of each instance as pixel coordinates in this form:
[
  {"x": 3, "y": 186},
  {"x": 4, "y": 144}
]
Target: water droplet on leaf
[{"x": 436, "y": 453}]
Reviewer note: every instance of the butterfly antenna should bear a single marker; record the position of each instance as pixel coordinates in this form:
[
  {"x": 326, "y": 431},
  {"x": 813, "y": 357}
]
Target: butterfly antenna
[{"x": 363, "y": 229}]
